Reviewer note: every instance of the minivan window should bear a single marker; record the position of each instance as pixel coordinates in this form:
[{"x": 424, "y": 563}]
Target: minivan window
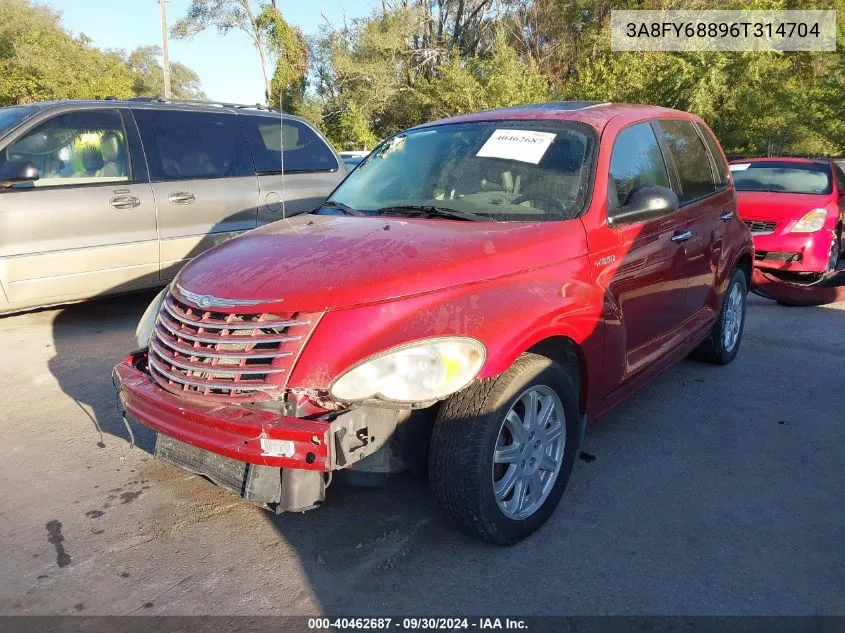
[
  {"x": 502, "y": 170},
  {"x": 304, "y": 150},
  {"x": 723, "y": 177},
  {"x": 690, "y": 157},
  {"x": 13, "y": 115},
  {"x": 636, "y": 162},
  {"x": 193, "y": 145},
  {"x": 77, "y": 148}
]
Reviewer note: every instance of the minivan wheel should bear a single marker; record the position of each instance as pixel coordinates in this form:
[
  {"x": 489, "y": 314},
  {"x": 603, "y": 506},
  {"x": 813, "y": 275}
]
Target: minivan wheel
[
  {"x": 721, "y": 347},
  {"x": 503, "y": 449}
]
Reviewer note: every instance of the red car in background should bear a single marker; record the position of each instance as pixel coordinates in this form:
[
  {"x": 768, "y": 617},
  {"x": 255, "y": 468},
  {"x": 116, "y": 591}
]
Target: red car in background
[{"x": 794, "y": 208}]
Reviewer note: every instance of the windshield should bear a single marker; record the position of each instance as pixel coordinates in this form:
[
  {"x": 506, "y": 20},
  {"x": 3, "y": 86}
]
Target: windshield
[
  {"x": 782, "y": 176},
  {"x": 11, "y": 116},
  {"x": 502, "y": 170}
]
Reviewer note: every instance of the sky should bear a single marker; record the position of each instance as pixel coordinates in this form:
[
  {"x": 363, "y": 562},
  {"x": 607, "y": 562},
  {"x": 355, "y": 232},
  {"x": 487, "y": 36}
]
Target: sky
[{"x": 228, "y": 66}]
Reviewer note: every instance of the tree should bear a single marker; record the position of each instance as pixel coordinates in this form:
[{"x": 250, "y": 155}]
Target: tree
[
  {"x": 288, "y": 46},
  {"x": 226, "y": 16},
  {"x": 149, "y": 75},
  {"x": 39, "y": 60}
]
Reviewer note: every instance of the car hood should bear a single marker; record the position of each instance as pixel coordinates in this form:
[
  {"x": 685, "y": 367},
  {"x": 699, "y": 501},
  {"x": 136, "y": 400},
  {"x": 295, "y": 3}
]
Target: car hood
[
  {"x": 777, "y": 206},
  {"x": 316, "y": 262}
]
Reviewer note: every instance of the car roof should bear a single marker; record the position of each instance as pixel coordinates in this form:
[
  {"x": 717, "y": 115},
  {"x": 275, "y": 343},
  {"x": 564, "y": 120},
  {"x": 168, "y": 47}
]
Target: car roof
[
  {"x": 159, "y": 104},
  {"x": 783, "y": 159},
  {"x": 594, "y": 113}
]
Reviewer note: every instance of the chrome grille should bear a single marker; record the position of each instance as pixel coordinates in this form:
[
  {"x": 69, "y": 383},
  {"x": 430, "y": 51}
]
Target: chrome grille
[
  {"x": 226, "y": 355},
  {"x": 759, "y": 227}
]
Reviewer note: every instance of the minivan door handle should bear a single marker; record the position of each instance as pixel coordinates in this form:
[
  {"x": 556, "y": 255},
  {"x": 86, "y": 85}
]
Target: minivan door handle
[
  {"x": 682, "y": 236},
  {"x": 727, "y": 215},
  {"x": 124, "y": 202},
  {"x": 181, "y": 197}
]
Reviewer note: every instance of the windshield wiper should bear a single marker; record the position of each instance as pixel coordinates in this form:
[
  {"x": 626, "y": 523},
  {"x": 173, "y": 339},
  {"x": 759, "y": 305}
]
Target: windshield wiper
[
  {"x": 333, "y": 204},
  {"x": 432, "y": 212}
]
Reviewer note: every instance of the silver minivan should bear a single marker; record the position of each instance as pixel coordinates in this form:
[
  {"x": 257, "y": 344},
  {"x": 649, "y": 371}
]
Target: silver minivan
[{"x": 102, "y": 197}]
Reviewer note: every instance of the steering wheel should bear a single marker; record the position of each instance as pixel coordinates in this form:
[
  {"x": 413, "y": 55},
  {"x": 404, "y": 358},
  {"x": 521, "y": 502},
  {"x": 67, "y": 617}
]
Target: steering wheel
[{"x": 548, "y": 202}]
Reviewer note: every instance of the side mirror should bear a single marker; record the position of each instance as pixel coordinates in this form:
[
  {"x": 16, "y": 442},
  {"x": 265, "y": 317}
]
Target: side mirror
[
  {"x": 13, "y": 171},
  {"x": 645, "y": 203}
]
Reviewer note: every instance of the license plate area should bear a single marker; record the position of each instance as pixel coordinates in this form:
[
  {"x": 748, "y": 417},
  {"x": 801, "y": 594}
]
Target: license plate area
[{"x": 258, "y": 484}]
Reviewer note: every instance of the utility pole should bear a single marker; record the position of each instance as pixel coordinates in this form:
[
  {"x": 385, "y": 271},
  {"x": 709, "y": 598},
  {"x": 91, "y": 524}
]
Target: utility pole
[{"x": 165, "y": 61}]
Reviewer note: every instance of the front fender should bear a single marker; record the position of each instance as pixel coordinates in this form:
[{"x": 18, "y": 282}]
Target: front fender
[{"x": 509, "y": 315}]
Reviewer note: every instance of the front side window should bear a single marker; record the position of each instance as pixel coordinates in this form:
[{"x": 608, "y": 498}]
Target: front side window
[
  {"x": 304, "y": 150},
  {"x": 184, "y": 145},
  {"x": 691, "y": 160},
  {"x": 501, "y": 170},
  {"x": 782, "y": 176},
  {"x": 636, "y": 162},
  {"x": 78, "y": 148},
  {"x": 14, "y": 115}
]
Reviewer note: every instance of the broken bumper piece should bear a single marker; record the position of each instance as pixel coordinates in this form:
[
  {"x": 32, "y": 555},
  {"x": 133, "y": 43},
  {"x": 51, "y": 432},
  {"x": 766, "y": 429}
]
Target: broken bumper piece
[{"x": 263, "y": 456}]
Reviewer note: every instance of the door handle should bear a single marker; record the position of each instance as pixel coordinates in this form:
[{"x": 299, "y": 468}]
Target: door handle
[
  {"x": 181, "y": 197},
  {"x": 682, "y": 237},
  {"x": 124, "y": 202},
  {"x": 727, "y": 215}
]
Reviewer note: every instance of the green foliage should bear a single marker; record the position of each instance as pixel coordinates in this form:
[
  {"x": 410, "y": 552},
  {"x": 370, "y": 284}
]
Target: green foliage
[
  {"x": 149, "y": 75},
  {"x": 40, "y": 60},
  {"x": 290, "y": 48}
]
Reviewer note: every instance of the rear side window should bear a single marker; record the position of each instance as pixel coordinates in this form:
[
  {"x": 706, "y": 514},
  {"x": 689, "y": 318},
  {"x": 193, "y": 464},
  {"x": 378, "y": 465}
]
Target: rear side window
[
  {"x": 690, "y": 157},
  {"x": 636, "y": 162},
  {"x": 723, "y": 177},
  {"x": 304, "y": 150},
  {"x": 193, "y": 145}
]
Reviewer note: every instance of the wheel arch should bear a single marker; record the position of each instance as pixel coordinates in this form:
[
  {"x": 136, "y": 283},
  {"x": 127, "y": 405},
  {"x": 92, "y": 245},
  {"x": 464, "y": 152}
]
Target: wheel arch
[
  {"x": 566, "y": 352},
  {"x": 745, "y": 263}
]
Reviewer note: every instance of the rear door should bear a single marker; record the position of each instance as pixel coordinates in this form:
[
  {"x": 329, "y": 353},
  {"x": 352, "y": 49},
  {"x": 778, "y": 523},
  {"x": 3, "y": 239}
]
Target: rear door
[
  {"x": 203, "y": 179},
  {"x": 87, "y": 226},
  {"x": 707, "y": 203},
  {"x": 311, "y": 168}
]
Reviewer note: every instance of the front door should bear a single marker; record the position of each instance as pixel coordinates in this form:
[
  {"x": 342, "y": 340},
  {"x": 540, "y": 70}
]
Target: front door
[
  {"x": 87, "y": 226},
  {"x": 640, "y": 266},
  {"x": 203, "y": 178}
]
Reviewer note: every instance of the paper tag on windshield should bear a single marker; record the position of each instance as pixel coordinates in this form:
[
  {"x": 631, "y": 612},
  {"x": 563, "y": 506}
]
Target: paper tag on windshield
[
  {"x": 740, "y": 166},
  {"x": 526, "y": 146}
]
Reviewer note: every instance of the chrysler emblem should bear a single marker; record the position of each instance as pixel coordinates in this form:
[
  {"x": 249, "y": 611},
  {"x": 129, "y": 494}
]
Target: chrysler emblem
[{"x": 210, "y": 301}]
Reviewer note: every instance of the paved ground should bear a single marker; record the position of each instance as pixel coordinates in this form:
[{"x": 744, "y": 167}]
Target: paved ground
[{"x": 715, "y": 491}]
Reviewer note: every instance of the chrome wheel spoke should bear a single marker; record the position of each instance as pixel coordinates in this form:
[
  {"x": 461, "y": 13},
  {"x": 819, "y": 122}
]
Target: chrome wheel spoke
[
  {"x": 513, "y": 423},
  {"x": 553, "y": 433},
  {"x": 507, "y": 454},
  {"x": 548, "y": 463},
  {"x": 503, "y": 486},
  {"x": 547, "y": 407},
  {"x": 535, "y": 486}
]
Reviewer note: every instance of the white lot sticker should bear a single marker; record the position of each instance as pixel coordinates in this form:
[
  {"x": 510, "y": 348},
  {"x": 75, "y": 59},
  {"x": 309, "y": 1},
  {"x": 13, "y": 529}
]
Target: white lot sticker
[
  {"x": 526, "y": 146},
  {"x": 740, "y": 166}
]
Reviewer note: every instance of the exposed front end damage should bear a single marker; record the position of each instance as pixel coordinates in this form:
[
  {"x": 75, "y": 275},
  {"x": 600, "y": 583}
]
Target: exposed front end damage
[{"x": 278, "y": 455}]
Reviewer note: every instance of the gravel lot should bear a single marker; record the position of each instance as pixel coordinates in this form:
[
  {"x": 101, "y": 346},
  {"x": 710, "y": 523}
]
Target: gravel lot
[{"x": 714, "y": 491}]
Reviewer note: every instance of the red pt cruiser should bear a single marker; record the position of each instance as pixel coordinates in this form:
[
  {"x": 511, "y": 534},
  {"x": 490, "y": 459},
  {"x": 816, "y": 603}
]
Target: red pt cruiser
[{"x": 473, "y": 294}]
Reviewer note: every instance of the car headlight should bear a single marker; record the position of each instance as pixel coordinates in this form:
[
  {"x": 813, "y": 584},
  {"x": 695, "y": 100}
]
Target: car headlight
[
  {"x": 148, "y": 320},
  {"x": 811, "y": 222},
  {"x": 417, "y": 372}
]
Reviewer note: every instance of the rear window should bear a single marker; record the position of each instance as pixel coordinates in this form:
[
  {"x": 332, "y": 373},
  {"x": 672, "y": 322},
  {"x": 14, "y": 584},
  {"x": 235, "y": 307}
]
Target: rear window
[
  {"x": 723, "y": 177},
  {"x": 691, "y": 159},
  {"x": 193, "y": 145},
  {"x": 782, "y": 176},
  {"x": 304, "y": 150}
]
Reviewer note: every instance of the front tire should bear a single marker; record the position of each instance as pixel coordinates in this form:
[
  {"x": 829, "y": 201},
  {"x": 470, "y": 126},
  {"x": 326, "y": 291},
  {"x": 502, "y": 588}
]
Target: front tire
[
  {"x": 503, "y": 449},
  {"x": 721, "y": 347}
]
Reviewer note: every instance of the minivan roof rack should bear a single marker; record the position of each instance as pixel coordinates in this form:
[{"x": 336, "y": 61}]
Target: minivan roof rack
[{"x": 222, "y": 104}]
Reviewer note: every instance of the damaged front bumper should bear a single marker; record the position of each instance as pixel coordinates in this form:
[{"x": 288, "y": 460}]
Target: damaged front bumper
[{"x": 271, "y": 459}]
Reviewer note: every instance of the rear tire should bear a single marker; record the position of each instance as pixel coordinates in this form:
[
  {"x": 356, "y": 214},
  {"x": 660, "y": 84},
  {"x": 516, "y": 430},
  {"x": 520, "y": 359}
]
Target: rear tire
[
  {"x": 474, "y": 455},
  {"x": 722, "y": 345}
]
